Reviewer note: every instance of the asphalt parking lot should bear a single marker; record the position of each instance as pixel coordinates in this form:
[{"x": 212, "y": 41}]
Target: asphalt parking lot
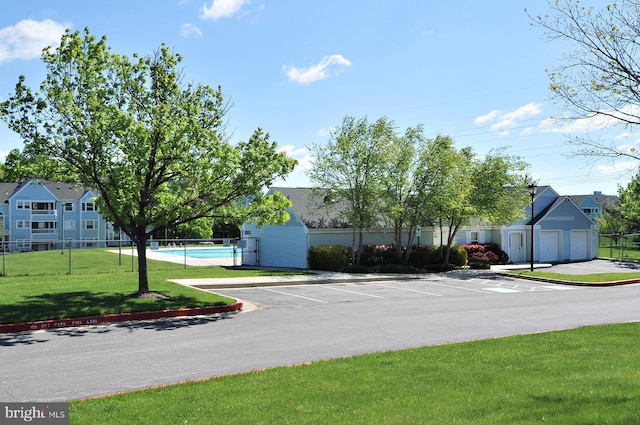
[
  {"x": 429, "y": 289},
  {"x": 596, "y": 266}
]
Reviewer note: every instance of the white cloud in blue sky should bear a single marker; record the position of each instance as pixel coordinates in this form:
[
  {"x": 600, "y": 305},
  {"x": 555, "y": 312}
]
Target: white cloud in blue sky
[
  {"x": 475, "y": 71},
  {"x": 504, "y": 121},
  {"x": 27, "y": 38},
  {"x": 190, "y": 31},
  {"x": 222, "y": 9},
  {"x": 329, "y": 66}
]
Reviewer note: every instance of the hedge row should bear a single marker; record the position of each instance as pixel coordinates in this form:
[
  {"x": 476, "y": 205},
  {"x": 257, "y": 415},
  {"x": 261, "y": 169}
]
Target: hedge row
[{"x": 388, "y": 258}]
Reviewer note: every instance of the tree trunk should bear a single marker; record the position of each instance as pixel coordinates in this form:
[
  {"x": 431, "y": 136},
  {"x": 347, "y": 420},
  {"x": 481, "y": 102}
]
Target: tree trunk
[
  {"x": 355, "y": 259},
  {"x": 360, "y": 245},
  {"x": 143, "y": 276},
  {"x": 409, "y": 250}
]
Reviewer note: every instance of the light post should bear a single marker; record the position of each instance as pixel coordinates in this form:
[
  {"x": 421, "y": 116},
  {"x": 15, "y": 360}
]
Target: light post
[
  {"x": 62, "y": 228},
  {"x": 532, "y": 191}
]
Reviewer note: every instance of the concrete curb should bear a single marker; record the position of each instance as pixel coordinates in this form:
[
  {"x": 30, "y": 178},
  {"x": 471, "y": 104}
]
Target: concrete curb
[{"x": 115, "y": 318}]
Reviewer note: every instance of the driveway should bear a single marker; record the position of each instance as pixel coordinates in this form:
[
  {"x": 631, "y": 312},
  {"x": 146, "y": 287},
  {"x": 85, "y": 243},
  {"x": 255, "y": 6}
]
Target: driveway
[
  {"x": 596, "y": 266},
  {"x": 72, "y": 363}
]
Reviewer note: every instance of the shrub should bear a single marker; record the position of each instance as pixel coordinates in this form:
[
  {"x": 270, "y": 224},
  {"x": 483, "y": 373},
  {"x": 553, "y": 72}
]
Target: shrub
[
  {"x": 439, "y": 267},
  {"x": 396, "y": 268},
  {"x": 373, "y": 255},
  {"x": 357, "y": 269},
  {"x": 479, "y": 265},
  {"x": 422, "y": 255},
  {"x": 329, "y": 257},
  {"x": 457, "y": 256},
  {"x": 486, "y": 253}
]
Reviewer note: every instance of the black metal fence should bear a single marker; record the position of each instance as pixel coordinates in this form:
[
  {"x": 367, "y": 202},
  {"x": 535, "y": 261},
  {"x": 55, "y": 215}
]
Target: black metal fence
[
  {"x": 619, "y": 246},
  {"x": 42, "y": 257}
]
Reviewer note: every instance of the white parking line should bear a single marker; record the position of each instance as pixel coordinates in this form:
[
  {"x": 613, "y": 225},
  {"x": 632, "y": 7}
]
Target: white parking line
[
  {"x": 558, "y": 288},
  {"x": 294, "y": 295},
  {"x": 457, "y": 287},
  {"x": 502, "y": 290},
  {"x": 407, "y": 289},
  {"x": 352, "y": 292}
]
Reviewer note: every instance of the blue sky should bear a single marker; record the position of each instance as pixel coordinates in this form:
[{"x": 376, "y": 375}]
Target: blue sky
[{"x": 472, "y": 70}]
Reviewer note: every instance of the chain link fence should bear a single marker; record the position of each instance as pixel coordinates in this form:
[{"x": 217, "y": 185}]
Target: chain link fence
[
  {"x": 47, "y": 257},
  {"x": 619, "y": 246}
]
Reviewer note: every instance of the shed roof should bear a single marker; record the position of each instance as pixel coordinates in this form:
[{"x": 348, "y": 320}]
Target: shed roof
[{"x": 314, "y": 207}]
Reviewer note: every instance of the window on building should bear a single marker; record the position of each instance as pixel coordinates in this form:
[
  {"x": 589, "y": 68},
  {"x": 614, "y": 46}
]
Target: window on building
[
  {"x": 43, "y": 226},
  {"x": 68, "y": 206},
  {"x": 23, "y": 224},
  {"x": 23, "y": 205},
  {"x": 89, "y": 224},
  {"x": 88, "y": 206},
  {"x": 475, "y": 237},
  {"x": 90, "y": 242}
]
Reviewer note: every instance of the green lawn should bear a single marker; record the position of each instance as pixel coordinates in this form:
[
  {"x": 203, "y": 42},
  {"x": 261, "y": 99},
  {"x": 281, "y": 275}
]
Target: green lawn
[
  {"x": 37, "y": 286},
  {"x": 579, "y": 278},
  {"x": 584, "y": 376},
  {"x": 624, "y": 250}
]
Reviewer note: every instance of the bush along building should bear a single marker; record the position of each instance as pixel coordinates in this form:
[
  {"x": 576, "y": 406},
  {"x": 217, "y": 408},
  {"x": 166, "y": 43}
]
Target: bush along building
[
  {"x": 561, "y": 229},
  {"x": 40, "y": 215}
]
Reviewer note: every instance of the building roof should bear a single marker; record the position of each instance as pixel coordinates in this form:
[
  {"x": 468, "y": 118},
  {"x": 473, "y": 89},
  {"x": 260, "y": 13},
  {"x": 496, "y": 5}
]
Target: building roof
[
  {"x": 66, "y": 191},
  {"x": 7, "y": 190},
  {"x": 61, "y": 190},
  {"x": 314, "y": 207}
]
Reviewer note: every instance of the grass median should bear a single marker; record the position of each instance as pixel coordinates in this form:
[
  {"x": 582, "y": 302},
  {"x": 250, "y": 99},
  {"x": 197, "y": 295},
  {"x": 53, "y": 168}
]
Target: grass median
[
  {"x": 582, "y": 376},
  {"x": 579, "y": 278},
  {"x": 37, "y": 286}
]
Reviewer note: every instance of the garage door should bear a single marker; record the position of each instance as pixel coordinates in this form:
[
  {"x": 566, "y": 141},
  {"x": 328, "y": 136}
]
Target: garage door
[
  {"x": 579, "y": 245},
  {"x": 549, "y": 246}
]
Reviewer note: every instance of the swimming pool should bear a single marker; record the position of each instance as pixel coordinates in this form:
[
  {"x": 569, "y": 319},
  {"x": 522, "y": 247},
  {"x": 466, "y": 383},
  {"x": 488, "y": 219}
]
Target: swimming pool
[{"x": 222, "y": 252}]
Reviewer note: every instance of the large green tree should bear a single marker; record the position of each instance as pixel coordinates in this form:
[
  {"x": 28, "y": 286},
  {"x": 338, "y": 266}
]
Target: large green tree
[
  {"x": 458, "y": 187},
  {"x": 22, "y": 165},
  {"x": 352, "y": 165},
  {"x": 402, "y": 207},
  {"x": 600, "y": 73},
  {"x": 625, "y": 218},
  {"x": 153, "y": 147}
]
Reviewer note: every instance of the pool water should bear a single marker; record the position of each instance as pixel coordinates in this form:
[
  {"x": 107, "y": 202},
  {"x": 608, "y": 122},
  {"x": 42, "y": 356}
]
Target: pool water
[{"x": 222, "y": 252}]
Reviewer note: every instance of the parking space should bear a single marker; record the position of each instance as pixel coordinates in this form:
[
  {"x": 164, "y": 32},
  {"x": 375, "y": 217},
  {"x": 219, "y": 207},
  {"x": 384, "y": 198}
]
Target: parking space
[{"x": 429, "y": 289}]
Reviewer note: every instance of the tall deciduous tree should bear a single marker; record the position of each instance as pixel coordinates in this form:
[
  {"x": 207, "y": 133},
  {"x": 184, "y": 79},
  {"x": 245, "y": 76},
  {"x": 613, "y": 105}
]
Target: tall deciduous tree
[
  {"x": 627, "y": 218},
  {"x": 19, "y": 166},
  {"x": 352, "y": 166},
  {"x": 152, "y": 147},
  {"x": 401, "y": 204},
  {"x": 599, "y": 78},
  {"x": 458, "y": 187}
]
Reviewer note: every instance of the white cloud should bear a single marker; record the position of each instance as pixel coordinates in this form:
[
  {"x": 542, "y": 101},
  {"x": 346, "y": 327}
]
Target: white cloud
[
  {"x": 26, "y": 39},
  {"x": 606, "y": 119},
  {"x": 487, "y": 118},
  {"x": 325, "y": 132},
  {"x": 190, "y": 31},
  {"x": 329, "y": 66},
  {"x": 222, "y": 9},
  {"x": 298, "y": 177},
  {"x": 618, "y": 167},
  {"x": 503, "y": 121}
]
